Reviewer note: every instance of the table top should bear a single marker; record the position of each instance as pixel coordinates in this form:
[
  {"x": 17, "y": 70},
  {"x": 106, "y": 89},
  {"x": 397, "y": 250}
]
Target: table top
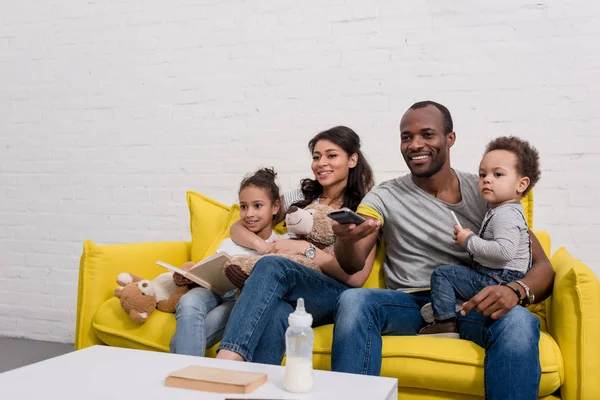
[{"x": 101, "y": 372}]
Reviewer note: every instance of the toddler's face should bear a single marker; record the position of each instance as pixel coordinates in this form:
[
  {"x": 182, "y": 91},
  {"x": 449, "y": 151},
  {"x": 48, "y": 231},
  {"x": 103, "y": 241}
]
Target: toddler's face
[{"x": 499, "y": 181}]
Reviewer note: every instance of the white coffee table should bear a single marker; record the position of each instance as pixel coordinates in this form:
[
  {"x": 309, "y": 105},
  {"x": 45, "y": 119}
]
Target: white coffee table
[{"x": 102, "y": 372}]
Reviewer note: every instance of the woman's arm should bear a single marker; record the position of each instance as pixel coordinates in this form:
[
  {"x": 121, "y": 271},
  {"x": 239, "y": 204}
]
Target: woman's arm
[
  {"x": 244, "y": 237},
  {"x": 328, "y": 263}
]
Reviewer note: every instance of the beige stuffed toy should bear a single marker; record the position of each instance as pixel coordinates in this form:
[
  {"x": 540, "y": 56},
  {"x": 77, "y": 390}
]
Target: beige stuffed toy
[
  {"x": 311, "y": 224},
  {"x": 139, "y": 297}
]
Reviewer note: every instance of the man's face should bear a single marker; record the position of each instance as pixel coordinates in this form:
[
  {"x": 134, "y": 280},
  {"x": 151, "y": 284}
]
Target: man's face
[{"x": 423, "y": 143}]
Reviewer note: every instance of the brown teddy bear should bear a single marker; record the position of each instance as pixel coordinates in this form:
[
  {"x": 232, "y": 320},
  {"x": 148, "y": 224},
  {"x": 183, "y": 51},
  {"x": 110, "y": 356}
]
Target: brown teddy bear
[
  {"x": 311, "y": 224},
  {"x": 139, "y": 297}
]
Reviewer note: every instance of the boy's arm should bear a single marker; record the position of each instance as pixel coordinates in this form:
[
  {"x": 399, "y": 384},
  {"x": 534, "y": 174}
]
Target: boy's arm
[
  {"x": 497, "y": 300},
  {"x": 506, "y": 227}
]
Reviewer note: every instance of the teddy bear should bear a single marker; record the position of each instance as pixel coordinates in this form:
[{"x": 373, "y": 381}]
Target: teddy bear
[
  {"x": 139, "y": 297},
  {"x": 310, "y": 223}
]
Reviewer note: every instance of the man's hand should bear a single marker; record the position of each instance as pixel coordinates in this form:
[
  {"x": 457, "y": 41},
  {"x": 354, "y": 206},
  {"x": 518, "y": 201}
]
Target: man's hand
[
  {"x": 289, "y": 246},
  {"x": 460, "y": 235},
  {"x": 353, "y": 232},
  {"x": 494, "y": 301}
]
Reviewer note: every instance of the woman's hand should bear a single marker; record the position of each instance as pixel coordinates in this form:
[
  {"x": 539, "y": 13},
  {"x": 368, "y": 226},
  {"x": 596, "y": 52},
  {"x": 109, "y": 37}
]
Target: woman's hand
[
  {"x": 265, "y": 248},
  {"x": 289, "y": 246}
]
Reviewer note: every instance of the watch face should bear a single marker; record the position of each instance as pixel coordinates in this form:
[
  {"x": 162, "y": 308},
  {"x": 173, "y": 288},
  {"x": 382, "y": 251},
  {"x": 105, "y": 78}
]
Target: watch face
[{"x": 310, "y": 252}]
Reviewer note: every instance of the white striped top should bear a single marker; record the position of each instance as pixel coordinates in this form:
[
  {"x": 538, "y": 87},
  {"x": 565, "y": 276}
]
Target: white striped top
[{"x": 505, "y": 242}]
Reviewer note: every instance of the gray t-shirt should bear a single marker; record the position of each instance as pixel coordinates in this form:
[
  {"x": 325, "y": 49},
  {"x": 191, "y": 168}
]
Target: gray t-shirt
[{"x": 417, "y": 228}]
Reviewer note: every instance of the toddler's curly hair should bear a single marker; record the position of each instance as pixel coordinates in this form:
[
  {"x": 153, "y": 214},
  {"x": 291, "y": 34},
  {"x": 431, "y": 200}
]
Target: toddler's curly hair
[{"x": 528, "y": 159}]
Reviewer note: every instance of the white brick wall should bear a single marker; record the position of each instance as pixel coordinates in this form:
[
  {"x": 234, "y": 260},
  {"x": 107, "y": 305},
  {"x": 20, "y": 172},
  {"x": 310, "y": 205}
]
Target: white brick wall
[{"x": 110, "y": 111}]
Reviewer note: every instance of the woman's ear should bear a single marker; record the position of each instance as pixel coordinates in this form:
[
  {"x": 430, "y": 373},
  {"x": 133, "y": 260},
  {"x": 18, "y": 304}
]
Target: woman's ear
[
  {"x": 522, "y": 185},
  {"x": 353, "y": 160}
]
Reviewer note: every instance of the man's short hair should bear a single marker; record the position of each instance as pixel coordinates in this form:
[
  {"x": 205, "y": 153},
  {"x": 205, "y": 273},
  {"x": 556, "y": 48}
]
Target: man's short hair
[
  {"x": 448, "y": 125},
  {"x": 528, "y": 159}
]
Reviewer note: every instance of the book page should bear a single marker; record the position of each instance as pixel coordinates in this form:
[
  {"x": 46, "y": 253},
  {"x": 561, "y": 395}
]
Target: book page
[
  {"x": 210, "y": 270},
  {"x": 208, "y": 273},
  {"x": 171, "y": 267}
]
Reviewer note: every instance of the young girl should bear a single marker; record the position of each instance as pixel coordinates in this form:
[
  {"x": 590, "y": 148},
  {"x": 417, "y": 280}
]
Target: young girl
[
  {"x": 201, "y": 314},
  {"x": 342, "y": 177}
]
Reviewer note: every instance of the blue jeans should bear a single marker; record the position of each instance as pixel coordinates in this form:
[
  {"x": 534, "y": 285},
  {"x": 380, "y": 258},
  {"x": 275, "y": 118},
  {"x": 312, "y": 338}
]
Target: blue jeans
[
  {"x": 363, "y": 316},
  {"x": 201, "y": 319},
  {"x": 452, "y": 282},
  {"x": 256, "y": 329}
]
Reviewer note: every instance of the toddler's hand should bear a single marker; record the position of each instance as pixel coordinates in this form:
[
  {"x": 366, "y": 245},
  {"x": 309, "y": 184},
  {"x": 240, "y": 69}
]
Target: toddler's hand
[{"x": 460, "y": 235}]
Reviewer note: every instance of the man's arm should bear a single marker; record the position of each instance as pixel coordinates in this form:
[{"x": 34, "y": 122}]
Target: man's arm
[
  {"x": 498, "y": 300},
  {"x": 353, "y": 243},
  {"x": 540, "y": 278}
]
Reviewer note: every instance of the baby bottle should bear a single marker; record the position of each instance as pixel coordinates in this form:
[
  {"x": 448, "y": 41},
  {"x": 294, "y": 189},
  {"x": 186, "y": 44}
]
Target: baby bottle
[{"x": 299, "y": 338}]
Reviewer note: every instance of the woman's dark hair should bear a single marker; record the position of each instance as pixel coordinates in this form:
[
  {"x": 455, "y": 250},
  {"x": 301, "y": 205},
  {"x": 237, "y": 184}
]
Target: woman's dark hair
[
  {"x": 360, "y": 178},
  {"x": 263, "y": 179}
]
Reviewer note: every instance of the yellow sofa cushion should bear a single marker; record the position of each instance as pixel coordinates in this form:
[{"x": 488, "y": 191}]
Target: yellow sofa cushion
[
  {"x": 114, "y": 327},
  {"x": 98, "y": 270},
  {"x": 446, "y": 365},
  {"x": 208, "y": 219},
  {"x": 576, "y": 294}
]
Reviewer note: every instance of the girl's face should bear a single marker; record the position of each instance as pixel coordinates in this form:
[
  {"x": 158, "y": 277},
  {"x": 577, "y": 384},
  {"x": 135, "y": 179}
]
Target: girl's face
[
  {"x": 331, "y": 164},
  {"x": 257, "y": 211}
]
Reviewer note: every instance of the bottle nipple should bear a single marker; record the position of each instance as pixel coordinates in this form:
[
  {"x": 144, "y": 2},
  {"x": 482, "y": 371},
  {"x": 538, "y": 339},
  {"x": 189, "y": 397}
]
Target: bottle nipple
[{"x": 300, "y": 317}]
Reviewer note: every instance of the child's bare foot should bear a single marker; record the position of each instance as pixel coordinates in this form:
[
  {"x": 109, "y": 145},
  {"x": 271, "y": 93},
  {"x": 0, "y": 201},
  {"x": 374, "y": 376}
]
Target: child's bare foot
[{"x": 229, "y": 355}]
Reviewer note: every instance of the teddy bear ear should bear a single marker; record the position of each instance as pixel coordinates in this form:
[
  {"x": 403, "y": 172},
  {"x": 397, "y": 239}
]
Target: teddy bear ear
[{"x": 124, "y": 279}]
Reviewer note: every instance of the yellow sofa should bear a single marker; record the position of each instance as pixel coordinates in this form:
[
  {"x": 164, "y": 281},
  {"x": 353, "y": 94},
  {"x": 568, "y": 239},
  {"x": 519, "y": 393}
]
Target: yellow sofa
[{"x": 426, "y": 367}]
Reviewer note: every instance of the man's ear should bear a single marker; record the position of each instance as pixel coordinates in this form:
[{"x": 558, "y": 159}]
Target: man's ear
[
  {"x": 450, "y": 139},
  {"x": 353, "y": 160},
  {"x": 522, "y": 185}
]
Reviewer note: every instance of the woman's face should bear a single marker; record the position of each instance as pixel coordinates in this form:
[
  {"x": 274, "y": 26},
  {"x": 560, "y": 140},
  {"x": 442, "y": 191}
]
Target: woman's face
[{"x": 331, "y": 163}]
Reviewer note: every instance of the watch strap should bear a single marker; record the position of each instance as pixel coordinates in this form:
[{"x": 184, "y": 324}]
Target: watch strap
[
  {"x": 516, "y": 291},
  {"x": 529, "y": 297}
]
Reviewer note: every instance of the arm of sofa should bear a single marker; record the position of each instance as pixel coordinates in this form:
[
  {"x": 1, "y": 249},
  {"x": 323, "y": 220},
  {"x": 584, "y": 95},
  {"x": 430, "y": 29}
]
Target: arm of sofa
[
  {"x": 98, "y": 270},
  {"x": 574, "y": 322}
]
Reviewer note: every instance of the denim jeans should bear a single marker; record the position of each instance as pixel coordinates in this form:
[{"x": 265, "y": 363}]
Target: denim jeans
[
  {"x": 201, "y": 319},
  {"x": 256, "y": 329},
  {"x": 452, "y": 282},
  {"x": 363, "y": 316}
]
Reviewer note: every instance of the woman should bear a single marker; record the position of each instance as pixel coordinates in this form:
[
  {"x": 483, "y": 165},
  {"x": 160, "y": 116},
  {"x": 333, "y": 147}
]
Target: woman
[{"x": 256, "y": 328}]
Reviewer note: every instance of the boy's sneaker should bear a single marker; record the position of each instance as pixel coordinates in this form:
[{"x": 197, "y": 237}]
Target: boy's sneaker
[
  {"x": 445, "y": 328},
  {"x": 427, "y": 313}
]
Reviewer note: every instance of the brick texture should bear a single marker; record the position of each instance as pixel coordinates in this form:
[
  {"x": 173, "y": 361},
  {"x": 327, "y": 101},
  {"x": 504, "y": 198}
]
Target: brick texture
[{"x": 110, "y": 111}]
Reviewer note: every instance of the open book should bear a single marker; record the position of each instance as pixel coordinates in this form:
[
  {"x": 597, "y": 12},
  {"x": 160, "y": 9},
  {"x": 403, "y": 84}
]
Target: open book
[{"x": 207, "y": 273}]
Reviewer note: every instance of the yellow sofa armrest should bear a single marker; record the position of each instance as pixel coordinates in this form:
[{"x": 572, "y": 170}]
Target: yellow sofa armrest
[
  {"x": 98, "y": 270},
  {"x": 574, "y": 322}
]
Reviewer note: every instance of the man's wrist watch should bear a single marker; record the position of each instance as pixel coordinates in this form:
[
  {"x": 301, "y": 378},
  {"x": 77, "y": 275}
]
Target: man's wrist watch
[
  {"x": 311, "y": 252},
  {"x": 529, "y": 296}
]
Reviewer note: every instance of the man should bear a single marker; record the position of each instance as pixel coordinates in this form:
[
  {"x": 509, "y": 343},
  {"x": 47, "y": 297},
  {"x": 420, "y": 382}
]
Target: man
[{"x": 413, "y": 214}]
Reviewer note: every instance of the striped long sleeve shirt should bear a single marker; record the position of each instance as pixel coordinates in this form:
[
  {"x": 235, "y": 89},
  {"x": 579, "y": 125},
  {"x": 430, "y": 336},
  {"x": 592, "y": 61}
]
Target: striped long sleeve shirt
[{"x": 503, "y": 241}]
